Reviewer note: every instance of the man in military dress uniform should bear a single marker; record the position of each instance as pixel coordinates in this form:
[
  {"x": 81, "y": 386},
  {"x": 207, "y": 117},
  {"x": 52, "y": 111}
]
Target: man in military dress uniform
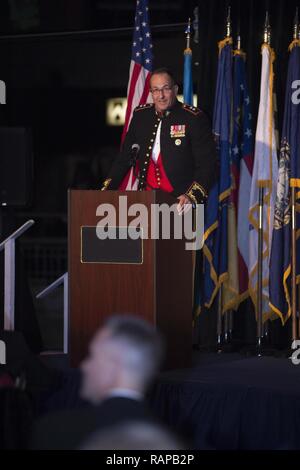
[{"x": 177, "y": 152}]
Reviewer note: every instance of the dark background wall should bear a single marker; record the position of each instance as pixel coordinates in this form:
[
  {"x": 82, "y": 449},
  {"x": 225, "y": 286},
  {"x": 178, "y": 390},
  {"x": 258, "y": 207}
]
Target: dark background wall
[
  {"x": 62, "y": 59},
  {"x": 58, "y": 84}
]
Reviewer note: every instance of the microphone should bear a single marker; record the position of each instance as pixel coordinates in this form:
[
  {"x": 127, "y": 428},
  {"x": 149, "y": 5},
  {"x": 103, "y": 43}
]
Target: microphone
[{"x": 134, "y": 152}]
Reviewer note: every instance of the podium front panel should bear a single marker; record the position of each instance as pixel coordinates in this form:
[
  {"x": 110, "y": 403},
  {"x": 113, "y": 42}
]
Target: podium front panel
[
  {"x": 150, "y": 278},
  {"x": 100, "y": 289}
]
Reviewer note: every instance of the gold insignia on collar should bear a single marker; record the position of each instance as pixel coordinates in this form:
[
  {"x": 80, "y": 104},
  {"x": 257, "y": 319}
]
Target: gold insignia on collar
[
  {"x": 191, "y": 109},
  {"x": 143, "y": 106}
]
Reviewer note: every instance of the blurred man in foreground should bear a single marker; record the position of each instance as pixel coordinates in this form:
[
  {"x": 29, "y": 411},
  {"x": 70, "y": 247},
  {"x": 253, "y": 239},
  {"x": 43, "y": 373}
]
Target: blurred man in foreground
[{"x": 124, "y": 357}]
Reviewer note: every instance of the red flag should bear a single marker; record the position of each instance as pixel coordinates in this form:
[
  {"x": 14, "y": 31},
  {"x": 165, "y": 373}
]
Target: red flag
[{"x": 138, "y": 91}]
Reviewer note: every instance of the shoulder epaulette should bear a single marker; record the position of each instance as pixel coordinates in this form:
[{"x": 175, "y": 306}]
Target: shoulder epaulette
[
  {"x": 191, "y": 109},
  {"x": 143, "y": 106}
]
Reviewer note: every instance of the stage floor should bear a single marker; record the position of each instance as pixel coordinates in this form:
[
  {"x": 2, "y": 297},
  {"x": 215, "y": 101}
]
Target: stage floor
[
  {"x": 225, "y": 401},
  {"x": 230, "y": 401}
]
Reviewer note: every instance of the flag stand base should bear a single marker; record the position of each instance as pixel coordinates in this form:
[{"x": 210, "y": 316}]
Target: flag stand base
[
  {"x": 259, "y": 349},
  {"x": 226, "y": 344}
]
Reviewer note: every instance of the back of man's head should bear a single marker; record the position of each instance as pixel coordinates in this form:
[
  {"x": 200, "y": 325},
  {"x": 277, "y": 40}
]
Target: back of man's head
[
  {"x": 126, "y": 353},
  {"x": 141, "y": 346}
]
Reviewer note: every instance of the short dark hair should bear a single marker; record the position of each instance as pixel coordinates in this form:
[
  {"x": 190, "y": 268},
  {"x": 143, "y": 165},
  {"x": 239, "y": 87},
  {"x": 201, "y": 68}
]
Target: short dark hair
[
  {"x": 167, "y": 71},
  {"x": 142, "y": 337}
]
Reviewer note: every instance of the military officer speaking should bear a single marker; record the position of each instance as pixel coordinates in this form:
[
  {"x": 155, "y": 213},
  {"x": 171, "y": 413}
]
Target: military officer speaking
[{"x": 175, "y": 145}]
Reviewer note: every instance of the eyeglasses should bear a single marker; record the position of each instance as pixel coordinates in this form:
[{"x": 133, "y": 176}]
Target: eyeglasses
[{"x": 164, "y": 89}]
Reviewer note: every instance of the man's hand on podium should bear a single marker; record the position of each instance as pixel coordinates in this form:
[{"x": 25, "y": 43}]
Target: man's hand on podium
[{"x": 184, "y": 204}]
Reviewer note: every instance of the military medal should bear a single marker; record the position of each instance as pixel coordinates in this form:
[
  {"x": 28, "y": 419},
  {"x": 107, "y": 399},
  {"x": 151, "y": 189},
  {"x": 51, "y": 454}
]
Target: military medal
[
  {"x": 177, "y": 130},
  {"x": 178, "y": 142}
]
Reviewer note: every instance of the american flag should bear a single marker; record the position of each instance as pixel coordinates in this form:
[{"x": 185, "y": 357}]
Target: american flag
[{"x": 140, "y": 64}]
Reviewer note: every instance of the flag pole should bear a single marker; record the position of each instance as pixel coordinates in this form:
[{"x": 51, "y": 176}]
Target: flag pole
[
  {"x": 267, "y": 40},
  {"x": 298, "y": 37},
  {"x": 264, "y": 326},
  {"x": 294, "y": 284},
  {"x": 188, "y": 64},
  {"x": 267, "y": 30},
  {"x": 188, "y": 34},
  {"x": 229, "y": 314},
  {"x": 219, "y": 314},
  {"x": 228, "y": 35},
  {"x": 219, "y": 322},
  {"x": 294, "y": 229},
  {"x": 296, "y": 30},
  {"x": 238, "y": 44},
  {"x": 259, "y": 273},
  {"x": 228, "y": 23},
  {"x": 196, "y": 52}
]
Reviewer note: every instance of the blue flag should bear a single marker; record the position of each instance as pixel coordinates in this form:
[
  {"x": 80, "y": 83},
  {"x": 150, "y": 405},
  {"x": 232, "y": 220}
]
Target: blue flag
[
  {"x": 235, "y": 289},
  {"x": 216, "y": 214},
  {"x": 245, "y": 142},
  {"x": 288, "y": 176},
  {"x": 188, "y": 78}
]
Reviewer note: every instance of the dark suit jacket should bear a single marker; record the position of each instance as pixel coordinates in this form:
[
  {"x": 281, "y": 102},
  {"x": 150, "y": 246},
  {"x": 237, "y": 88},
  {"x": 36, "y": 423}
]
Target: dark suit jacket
[
  {"x": 187, "y": 147},
  {"x": 67, "y": 430}
]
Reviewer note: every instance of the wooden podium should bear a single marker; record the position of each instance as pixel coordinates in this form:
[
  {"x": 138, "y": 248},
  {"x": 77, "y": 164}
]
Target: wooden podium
[{"x": 151, "y": 278}]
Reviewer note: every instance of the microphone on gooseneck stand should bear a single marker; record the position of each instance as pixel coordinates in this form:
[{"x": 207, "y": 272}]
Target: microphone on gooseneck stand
[
  {"x": 134, "y": 153},
  {"x": 134, "y": 156}
]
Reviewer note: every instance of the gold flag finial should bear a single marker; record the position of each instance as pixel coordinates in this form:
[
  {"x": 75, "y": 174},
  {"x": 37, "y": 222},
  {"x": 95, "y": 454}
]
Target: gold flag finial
[
  {"x": 228, "y": 23},
  {"x": 238, "y": 38},
  {"x": 296, "y": 29},
  {"x": 267, "y": 30},
  {"x": 188, "y": 34}
]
